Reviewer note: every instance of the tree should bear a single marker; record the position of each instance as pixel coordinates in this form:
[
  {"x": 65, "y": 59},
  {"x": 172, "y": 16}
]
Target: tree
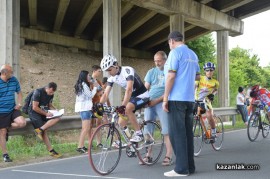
[
  {"x": 205, "y": 48},
  {"x": 244, "y": 71}
]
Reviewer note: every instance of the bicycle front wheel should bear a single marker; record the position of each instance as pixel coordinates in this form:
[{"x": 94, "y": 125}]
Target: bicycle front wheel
[
  {"x": 219, "y": 133},
  {"x": 153, "y": 143},
  {"x": 197, "y": 136},
  {"x": 253, "y": 127},
  {"x": 265, "y": 126},
  {"x": 105, "y": 157}
]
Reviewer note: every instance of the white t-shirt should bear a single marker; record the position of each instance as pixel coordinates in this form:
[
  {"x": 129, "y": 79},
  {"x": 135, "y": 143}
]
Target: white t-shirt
[
  {"x": 238, "y": 101},
  {"x": 84, "y": 100}
]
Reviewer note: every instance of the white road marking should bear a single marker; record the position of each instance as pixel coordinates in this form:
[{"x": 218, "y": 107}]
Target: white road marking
[{"x": 66, "y": 174}]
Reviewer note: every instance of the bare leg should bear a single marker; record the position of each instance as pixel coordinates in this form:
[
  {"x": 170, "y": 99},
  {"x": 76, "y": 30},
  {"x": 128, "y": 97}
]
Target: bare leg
[
  {"x": 131, "y": 116},
  {"x": 50, "y": 123},
  {"x": 210, "y": 118},
  {"x": 84, "y": 132},
  {"x": 47, "y": 141},
  {"x": 19, "y": 122},
  {"x": 168, "y": 145},
  {"x": 3, "y": 140}
]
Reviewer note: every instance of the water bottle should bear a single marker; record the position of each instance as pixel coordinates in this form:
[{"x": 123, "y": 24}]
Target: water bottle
[
  {"x": 205, "y": 121},
  {"x": 126, "y": 130}
]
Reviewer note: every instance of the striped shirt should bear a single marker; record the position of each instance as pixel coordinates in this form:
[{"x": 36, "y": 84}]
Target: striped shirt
[{"x": 7, "y": 94}]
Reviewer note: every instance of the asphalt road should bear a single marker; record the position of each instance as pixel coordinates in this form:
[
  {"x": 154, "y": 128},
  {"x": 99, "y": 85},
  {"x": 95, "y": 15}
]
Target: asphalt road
[{"x": 237, "y": 149}]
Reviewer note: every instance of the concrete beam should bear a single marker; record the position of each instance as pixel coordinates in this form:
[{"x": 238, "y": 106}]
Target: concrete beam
[
  {"x": 136, "y": 20},
  {"x": 223, "y": 68},
  {"x": 205, "y": 1},
  {"x": 162, "y": 37},
  {"x": 32, "y": 6},
  {"x": 159, "y": 23},
  {"x": 227, "y": 5},
  {"x": 10, "y": 34},
  {"x": 87, "y": 14},
  {"x": 48, "y": 37},
  {"x": 195, "y": 13},
  {"x": 61, "y": 12},
  {"x": 125, "y": 7}
]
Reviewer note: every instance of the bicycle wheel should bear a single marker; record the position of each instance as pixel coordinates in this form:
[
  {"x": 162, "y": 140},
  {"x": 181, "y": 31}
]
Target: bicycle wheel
[
  {"x": 197, "y": 136},
  {"x": 153, "y": 143},
  {"x": 219, "y": 134},
  {"x": 253, "y": 127},
  {"x": 105, "y": 157},
  {"x": 265, "y": 126}
]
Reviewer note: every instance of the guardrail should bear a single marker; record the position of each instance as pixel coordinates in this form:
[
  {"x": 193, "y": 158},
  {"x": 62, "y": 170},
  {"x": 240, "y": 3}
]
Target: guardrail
[{"x": 74, "y": 122}]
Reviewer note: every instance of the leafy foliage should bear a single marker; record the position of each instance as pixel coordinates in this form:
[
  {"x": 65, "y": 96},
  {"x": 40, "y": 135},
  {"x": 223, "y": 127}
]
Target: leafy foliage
[{"x": 205, "y": 48}]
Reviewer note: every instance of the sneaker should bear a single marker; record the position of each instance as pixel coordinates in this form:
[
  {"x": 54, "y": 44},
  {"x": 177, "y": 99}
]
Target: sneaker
[
  {"x": 99, "y": 145},
  {"x": 82, "y": 150},
  {"x": 116, "y": 144},
  {"x": 172, "y": 173},
  {"x": 39, "y": 133},
  {"x": 137, "y": 138},
  {"x": 54, "y": 154},
  {"x": 6, "y": 158}
]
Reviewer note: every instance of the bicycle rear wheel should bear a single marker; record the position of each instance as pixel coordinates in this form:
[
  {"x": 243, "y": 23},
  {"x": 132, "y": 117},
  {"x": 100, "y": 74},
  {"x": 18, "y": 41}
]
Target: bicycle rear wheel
[
  {"x": 105, "y": 157},
  {"x": 253, "y": 127},
  {"x": 219, "y": 134},
  {"x": 265, "y": 126},
  {"x": 153, "y": 143},
  {"x": 197, "y": 136}
]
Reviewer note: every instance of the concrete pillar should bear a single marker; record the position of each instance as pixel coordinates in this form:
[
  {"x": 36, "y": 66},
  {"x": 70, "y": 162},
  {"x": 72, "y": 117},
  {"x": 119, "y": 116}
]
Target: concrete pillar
[
  {"x": 10, "y": 34},
  {"x": 223, "y": 68},
  {"x": 112, "y": 39},
  {"x": 177, "y": 22}
]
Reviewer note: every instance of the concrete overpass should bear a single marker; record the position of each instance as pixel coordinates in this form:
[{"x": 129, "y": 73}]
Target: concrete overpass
[{"x": 135, "y": 28}]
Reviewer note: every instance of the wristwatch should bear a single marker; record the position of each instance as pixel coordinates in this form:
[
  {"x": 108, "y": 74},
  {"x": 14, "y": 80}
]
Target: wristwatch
[{"x": 20, "y": 105}]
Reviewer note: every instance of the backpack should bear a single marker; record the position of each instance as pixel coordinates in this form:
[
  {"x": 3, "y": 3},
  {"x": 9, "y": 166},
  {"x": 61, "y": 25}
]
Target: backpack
[{"x": 27, "y": 102}]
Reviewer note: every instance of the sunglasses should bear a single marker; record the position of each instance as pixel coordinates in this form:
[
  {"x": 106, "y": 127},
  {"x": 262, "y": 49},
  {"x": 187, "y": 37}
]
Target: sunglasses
[{"x": 209, "y": 70}]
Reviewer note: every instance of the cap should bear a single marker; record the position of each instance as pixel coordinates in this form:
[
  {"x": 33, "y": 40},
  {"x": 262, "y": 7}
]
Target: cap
[{"x": 175, "y": 35}]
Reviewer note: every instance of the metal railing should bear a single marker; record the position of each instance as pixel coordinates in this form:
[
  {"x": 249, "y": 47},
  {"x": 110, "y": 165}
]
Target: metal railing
[{"x": 74, "y": 122}]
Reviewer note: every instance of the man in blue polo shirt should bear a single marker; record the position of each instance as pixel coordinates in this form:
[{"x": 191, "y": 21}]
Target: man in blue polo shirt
[
  {"x": 180, "y": 72},
  {"x": 10, "y": 114}
]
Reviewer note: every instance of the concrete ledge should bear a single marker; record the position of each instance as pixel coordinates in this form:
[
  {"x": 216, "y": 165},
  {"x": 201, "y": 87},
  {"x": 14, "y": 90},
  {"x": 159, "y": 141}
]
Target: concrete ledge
[
  {"x": 66, "y": 123},
  {"x": 74, "y": 122}
]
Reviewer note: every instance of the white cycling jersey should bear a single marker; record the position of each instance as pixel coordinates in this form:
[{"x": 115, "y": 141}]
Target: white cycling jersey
[{"x": 125, "y": 74}]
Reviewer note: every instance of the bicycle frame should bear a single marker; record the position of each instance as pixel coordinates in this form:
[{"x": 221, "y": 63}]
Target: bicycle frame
[{"x": 114, "y": 122}]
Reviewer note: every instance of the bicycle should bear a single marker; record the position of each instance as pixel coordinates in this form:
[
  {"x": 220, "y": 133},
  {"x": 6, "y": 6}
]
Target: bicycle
[
  {"x": 202, "y": 133},
  {"x": 258, "y": 121},
  {"x": 105, "y": 159}
]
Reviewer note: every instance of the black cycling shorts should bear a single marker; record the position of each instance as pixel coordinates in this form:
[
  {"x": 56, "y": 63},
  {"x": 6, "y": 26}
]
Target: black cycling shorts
[{"x": 139, "y": 102}]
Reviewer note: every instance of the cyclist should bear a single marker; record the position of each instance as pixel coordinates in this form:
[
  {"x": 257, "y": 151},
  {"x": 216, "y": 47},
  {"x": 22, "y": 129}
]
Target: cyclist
[
  {"x": 136, "y": 95},
  {"x": 263, "y": 95},
  {"x": 206, "y": 88}
]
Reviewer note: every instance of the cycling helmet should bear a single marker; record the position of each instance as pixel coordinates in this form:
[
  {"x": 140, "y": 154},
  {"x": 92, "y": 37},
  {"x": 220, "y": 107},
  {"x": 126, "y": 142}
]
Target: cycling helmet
[
  {"x": 107, "y": 62},
  {"x": 254, "y": 90},
  {"x": 209, "y": 65}
]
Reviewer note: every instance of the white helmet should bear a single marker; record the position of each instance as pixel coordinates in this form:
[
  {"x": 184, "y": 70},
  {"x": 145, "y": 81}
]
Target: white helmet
[{"x": 107, "y": 61}]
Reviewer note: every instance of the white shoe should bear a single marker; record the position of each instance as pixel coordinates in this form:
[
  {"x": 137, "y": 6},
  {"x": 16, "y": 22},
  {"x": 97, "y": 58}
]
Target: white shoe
[
  {"x": 116, "y": 144},
  {"x": 172, "y": 173},
  {"x": 137, "y": 138}
]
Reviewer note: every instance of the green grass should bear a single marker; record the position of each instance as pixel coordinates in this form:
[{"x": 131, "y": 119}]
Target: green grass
[
  {"x": 24, "y": 148},
  {"x": 30, "y": 147}
]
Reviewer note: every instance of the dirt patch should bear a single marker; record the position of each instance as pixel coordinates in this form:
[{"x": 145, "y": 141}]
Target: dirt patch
[{"x": 43, "y": 63}]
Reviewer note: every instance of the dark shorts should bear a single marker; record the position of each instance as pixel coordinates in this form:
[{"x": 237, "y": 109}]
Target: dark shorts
[
  {"x": 37, "y": 119},
  {"x": 139, "y": 102},
  {"x": 7, "y": 118}
]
